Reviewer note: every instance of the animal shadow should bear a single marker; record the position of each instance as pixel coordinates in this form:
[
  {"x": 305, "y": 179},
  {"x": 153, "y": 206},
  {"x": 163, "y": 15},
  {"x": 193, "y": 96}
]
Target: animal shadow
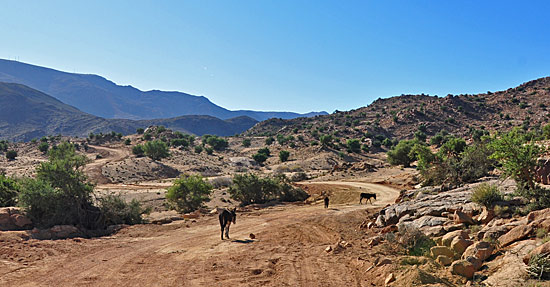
[{"x": 245, "y": 241}]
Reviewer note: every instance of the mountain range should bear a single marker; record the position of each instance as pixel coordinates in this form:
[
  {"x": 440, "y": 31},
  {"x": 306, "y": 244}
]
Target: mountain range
[
  {"x": 26, "y": 113},
  {"x": 98, "y": 96}
]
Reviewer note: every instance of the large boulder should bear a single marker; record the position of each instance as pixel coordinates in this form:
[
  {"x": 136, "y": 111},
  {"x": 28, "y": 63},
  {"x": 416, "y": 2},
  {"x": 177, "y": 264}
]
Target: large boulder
[
  {"x": 463, "y": 268},
  {"x": 515, "y": 234},
  {"x": 444, "y": 260},
  {"x": 436, "y": 251},
  {"x": 461, "y": 217},
  {"x": 448, "y": 238},
  {"x": 481, "y": 250},
  {"x": 476, "y": 262},
  {"x": 13, "y": 218},
  {"x": 486, "y": 216},
  {"x": 459, "y": 245}
]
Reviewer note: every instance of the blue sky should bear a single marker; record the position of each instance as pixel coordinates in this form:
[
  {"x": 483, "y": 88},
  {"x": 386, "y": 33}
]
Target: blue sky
[{"x": 287, "y": 55}]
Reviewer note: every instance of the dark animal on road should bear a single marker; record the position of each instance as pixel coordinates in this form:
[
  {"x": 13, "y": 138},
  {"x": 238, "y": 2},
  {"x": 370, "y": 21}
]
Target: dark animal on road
[
  {"x": 367, "y": 196},
  {"x": 226, "y": 218},
  {"x": 326, "y": 201}
]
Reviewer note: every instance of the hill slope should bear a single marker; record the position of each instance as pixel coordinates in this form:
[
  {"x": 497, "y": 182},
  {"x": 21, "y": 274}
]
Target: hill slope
[
  {"x": 98, "y": 96},
  {"x": 26, "y": 113},
  {"x": 399, "y": 117}
]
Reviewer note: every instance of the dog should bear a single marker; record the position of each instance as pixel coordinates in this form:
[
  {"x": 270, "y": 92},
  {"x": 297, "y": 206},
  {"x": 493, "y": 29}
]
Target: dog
[
  {"x": 367, "y": 196},
  {"x": 226, "y": 218}
]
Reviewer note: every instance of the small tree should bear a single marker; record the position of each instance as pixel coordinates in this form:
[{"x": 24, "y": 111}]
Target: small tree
[
  {"x": 260, "y": 157},
  {"x": 140, "y": 131},
  {"x": 156, "y": 149},
  {"x": 269, "y": 140},
  {"x": 138, "y": 150},
  {"x": 198, "y": 149},
  {"x": 43, "y": 147},
  {"x": 326, "y": 140},
  {"x": 517, "y": 157},
  {"x": 9, "y": 190},
  {"x": 246, "y": 142},
  {"x": 354, "y": 145},
  {"x": 401, "y": 153},
  {"x": 188, "y": 193},
  {"x": 265, "y": 151},
  {"x": 11, "y": 154},
  {"x": 284, "y": 155}
]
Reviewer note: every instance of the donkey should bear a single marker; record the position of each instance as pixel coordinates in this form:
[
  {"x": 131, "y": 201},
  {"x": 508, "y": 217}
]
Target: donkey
[
  {"x": 226, "y": 217},
  {"x": 367, "y": 196}
]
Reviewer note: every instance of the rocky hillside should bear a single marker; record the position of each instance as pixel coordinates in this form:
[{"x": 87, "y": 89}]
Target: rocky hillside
[
  {"x": 98, "y": 96},
  {"x": 26, "y": 113},
  {"x": 399, "y": 117}
]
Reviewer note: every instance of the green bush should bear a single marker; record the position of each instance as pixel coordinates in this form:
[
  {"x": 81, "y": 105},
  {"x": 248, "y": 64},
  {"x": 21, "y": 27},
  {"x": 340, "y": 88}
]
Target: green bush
[
  {"x": 9, "y": 190},
  {"x": 354, "y": 145},
  {"x": 326, "y": 140},
  {"x": 269, "y": 140},
  {"x": 486, "y": 194},
  {"x": 260, "y": 157},
  {"x": 209, "y": 150},
  {"x": 3, "y": 145},
  {"x": 198, "y": 149},
  {"x": 140, "y": 131},
  {"x": 284, "y": 155},
  {"x": 215, "y": 142},
  {"x": 415, "y": 242},
  {"x": 60, "y": 193},
  {"x": 539, "y": 266},
  {"x": 11, "y": 154},
  {"x": 249, "y": 188},
  {"x": 43, "y": 147},
  {"x": 138, "y": 150},
  {"x": 127, "y": 142},
  {"x": 246, "y": 142},
  {"x": 265, "y": 151},
  {"x": 401, "y": 153},
  {"x": 156, "y": 149},
  {"x": 188, "y": 193},
  {"x": 517, "y": 157},
  {"x": 147, "y": 136},
  {"x": 115, "y": 210},
  {"x": 179, "y": 142}
]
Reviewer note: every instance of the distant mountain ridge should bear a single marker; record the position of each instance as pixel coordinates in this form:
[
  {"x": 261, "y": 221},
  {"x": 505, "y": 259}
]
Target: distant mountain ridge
[
  {"x": 26, "y": 113},
  {"x": 98, "y": 96}
]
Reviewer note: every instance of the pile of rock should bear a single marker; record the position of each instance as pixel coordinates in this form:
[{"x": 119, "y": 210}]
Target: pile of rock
[{"x": 13, "y": 218}]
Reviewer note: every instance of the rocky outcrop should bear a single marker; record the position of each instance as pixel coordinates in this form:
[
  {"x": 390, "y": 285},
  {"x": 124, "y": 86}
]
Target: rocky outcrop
[
  {"x": 13, "y": 218},
  {"x": 463, "y": 268}
]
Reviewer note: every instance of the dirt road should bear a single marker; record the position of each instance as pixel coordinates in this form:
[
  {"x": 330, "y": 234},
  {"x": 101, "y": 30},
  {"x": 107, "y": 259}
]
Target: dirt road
[
  {"x": 288, "y": 251},
  {"x": 110, "y": 155}
]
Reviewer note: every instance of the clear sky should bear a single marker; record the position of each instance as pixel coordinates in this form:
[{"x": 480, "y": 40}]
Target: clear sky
[{"x": 286, "y": 55}]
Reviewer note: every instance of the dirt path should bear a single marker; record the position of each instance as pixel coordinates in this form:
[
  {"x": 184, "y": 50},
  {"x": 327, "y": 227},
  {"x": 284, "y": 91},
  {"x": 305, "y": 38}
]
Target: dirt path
[
  {"x": 93, "y": 169},
  {"x": 288, "y": 251}
]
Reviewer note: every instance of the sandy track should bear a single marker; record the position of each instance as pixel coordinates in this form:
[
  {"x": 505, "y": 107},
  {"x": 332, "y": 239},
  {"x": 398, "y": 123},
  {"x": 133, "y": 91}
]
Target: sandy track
[
  {"x": 288, "y": 251},
  {"x": 93, "y": 169}
]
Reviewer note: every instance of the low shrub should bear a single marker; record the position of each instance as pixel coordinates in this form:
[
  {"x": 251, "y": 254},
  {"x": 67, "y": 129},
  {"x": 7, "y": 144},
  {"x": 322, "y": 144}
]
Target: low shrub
[
  {"x": 486, "y": 194},
  {"x": 415, "y": 242},
  {"x": 539, "y": 266},
  {"x": 115, "y": 210}
]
